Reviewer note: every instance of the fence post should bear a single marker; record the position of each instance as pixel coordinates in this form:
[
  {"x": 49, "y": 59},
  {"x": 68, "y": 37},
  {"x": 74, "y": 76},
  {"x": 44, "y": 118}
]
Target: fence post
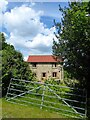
[
  {"x": 9, "y": 87},
  {"x": 42, "y": 97}
]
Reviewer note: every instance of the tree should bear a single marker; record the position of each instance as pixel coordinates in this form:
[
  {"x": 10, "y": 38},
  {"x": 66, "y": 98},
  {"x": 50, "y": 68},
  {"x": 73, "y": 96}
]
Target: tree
[
  {"x": 13, "y": 65},
  {"x": 73, "y": 35}
]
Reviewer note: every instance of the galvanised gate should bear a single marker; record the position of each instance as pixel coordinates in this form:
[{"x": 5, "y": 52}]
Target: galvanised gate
[{"x": 65, "y": 100}]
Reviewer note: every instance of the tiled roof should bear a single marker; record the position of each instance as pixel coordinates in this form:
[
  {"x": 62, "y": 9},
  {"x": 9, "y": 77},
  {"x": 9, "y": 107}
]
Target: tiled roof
[{"x": 43, "y": 58}]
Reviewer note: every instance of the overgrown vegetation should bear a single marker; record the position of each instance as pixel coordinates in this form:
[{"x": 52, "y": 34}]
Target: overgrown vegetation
[{"x": 13, "y": 65}]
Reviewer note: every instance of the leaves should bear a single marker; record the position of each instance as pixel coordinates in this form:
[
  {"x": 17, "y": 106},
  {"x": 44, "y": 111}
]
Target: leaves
[
  {"x": 13, "y": 65},
  {"x": 74, "y": 41}
]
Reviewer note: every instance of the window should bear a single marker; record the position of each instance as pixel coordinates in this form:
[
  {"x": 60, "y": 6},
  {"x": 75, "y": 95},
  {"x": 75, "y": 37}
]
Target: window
[
  {"x": 35, "y": 74},
  {"x": 54, "y": 65},
  {"x": 43, "y": 74},
  {"x": 54, "y": 74},
  {"x": 34, "y": 64}
]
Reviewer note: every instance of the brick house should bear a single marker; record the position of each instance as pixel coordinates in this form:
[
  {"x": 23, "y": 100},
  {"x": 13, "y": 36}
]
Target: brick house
[{"x": 46, "y": 66}]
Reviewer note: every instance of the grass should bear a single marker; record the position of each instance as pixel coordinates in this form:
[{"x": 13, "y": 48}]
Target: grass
[
  {"x": 10, "y": 110},
  {"x": 51, "y": 104}
]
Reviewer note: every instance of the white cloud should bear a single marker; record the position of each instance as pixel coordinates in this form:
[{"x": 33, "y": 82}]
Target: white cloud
[
  {"x": 23, "y": 21},
  {"x": 3, "y": 6},
  {"x": 25, "y": 58},
  {"x": 1, "y": 19},
  {"x": 27, "y": 33},
  {"x": 44, "y": 39},
  {"x": 32, "y": 4}
]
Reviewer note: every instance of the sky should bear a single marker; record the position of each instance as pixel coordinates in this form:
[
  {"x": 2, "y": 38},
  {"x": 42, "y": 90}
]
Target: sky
[{"x": 29, "y": 26}]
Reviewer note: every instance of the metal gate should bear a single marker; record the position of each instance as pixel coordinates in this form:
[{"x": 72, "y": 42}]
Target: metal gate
[{"x": 62, "y": 99}]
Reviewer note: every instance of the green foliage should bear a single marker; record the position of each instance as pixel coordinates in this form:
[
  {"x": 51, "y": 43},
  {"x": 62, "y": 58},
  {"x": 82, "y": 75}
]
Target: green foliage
[
  {"x": 68, "y": 81},
  {"x": 13, "y": 65},
  {"x": 73, "y": 35}
]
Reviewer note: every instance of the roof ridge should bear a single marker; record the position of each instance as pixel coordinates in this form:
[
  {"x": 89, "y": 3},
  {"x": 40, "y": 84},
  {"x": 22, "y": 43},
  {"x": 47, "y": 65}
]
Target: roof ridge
[
  {"x": 41, "y": 55},
  {"x": 44, "y": 54}
]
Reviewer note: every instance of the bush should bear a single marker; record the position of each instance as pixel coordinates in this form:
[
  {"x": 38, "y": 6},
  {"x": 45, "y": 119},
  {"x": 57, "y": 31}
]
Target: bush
[{"x": 13, "y": 65}]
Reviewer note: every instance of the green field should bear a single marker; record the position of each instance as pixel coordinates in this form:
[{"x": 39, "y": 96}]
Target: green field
[
  {"x": 10, "y": 110},
  {"x": 44, "y": 97}
]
